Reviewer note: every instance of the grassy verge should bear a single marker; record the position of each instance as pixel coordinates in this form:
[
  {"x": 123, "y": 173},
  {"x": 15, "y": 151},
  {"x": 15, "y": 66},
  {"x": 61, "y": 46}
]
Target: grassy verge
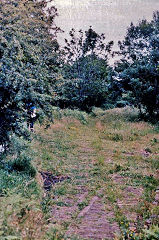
[{"x": 108, "y": 154}]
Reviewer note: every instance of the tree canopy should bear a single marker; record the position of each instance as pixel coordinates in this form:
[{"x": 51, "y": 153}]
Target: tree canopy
[
  {"x": 139, "y": 66},
  {"x": 85, "y": 70},
  {"x": 28, "y": 63}
]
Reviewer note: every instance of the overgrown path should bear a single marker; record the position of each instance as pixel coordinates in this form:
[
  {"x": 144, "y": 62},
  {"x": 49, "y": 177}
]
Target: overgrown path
[{"x": 112, "y": 167}]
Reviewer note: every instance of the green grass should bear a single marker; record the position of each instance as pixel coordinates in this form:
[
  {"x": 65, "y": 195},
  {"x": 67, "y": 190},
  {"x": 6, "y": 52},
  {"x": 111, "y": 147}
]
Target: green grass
[
  {"x": 91, "y": 150},
  {"x": 19, "y": 194}
]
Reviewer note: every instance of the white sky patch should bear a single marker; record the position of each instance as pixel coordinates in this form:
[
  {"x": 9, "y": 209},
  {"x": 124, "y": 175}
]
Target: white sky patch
[{"x": 111, "y": 17}]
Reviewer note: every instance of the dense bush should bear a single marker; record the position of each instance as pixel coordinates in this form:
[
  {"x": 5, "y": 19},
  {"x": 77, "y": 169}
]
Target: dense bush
[
  {"x": 84, "y": 82},
  {"x": 23, "y": 164},
  {"x": 27, "y": 64},
  {"x": 139, "y": 67},
  {"x": 28, "y": 68},
  {"x": 91, "y": 89},
  {"x": 18, "y": 157},
  {"x": 58, "y": 113}
]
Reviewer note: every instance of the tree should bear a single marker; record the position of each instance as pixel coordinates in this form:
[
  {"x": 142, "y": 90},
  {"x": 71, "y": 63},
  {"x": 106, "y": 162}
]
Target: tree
[
  {"x": 28, "y": 66},
  {"x": 85, "y": 71},
  {"x": 139, "y": 66}
]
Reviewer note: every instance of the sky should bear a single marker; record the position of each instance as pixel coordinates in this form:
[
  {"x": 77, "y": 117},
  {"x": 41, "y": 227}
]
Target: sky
[{"x": 111, "y": 17}]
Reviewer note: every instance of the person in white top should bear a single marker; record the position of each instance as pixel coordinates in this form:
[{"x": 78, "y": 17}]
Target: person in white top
[{"x": 31, "y": 118}]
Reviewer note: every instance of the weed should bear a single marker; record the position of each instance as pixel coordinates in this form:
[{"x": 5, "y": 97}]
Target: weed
[
  {"x": 97, "y": 144},
  {"x": 116, "y": 137},
  {"x": 54, "y": 234},
  {"x": 96, "y": 171},
  {"x": 156, "y": 129},
  {"x": 117, "y": 168},
  {"x": 62, "y": 204},
  {"x": 82, "y": 205},
  {"x": 46, "y": 204},
  {"x": 100, "y": 160},
  {"x": 17, "y": 183},
  {"x": 61, "y": 190},
  {"x": 148, "y": 150},
  {"x": 154, "y": 141},
  {"x": 23, "y": 164},
  {"x": 152, "y": 233}
]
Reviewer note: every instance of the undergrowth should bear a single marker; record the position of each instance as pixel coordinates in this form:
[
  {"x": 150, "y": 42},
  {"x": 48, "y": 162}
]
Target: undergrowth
[{"x": 93, "y": 150}]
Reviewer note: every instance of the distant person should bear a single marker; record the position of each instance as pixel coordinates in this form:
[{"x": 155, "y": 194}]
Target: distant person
[{"x": 31, "y": 117}]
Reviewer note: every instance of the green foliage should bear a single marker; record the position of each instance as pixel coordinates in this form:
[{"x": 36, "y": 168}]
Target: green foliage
[
  {"x": 54, "y": 234},
  {"x": 23, "y": 164},
  {"x": 138, "y": 68},
  {"x": 14, "y": 182},
  {"x": 18, "y": 157},
  {"x": 82, "y": 205},
  {"x": 85, "y": 81},
  {"x": 152, "y": 233},
  {"x": 71, "y": 113},
  {"x": 146, "y": 234},
  {"x": 27, "y": 64}
]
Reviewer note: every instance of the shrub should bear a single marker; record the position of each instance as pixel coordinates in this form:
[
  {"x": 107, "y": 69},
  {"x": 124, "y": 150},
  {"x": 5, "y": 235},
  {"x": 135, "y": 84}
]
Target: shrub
[
  {"x": 138, "y": 69},
  {"x": 22, "y": 163},
  {"x": 85, "y": 69},
  {"x": 73, "y": 113},
  {"x": 18, "y": 157}
]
